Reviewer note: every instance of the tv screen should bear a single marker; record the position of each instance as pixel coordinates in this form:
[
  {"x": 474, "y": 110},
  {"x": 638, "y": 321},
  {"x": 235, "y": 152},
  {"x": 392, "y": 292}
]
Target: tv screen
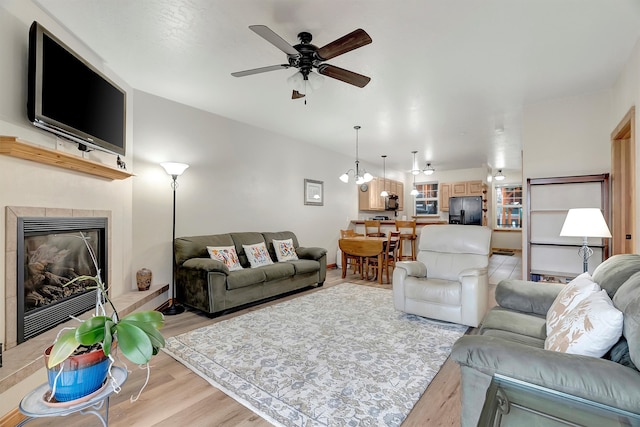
[{"x": 69, "y": 97}]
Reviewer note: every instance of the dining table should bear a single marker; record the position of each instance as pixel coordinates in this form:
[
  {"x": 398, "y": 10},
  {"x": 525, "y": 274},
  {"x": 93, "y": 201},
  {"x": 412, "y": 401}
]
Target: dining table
[{"x": 362, "y": 246}]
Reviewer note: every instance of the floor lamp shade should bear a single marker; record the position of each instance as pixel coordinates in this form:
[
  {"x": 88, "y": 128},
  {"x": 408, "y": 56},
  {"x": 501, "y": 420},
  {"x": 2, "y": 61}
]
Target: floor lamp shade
[{"x": 585, "y": 223}]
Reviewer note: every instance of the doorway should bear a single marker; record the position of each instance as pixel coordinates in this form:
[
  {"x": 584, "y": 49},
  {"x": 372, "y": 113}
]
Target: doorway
[{"x": 623, "y": 193}]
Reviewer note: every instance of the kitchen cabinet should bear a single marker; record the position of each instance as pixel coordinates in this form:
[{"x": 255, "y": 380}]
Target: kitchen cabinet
[
  {"x": 369, "y": 198},
  {"x": 460, "y": 189}
]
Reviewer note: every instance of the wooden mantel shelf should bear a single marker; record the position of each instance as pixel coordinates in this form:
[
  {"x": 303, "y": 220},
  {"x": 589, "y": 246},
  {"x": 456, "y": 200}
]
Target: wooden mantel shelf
[{"x": 12, "y": 146}]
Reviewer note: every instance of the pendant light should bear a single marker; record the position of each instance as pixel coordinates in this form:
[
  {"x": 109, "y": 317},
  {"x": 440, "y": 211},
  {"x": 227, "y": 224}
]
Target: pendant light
[
  {"x": 384, "y": 176},
  {"x": 499, "y": 176},
  {"x": 414, "y": 191},
  {"x": 359, "y": 179},
  {"x": 428, "y": 170}
]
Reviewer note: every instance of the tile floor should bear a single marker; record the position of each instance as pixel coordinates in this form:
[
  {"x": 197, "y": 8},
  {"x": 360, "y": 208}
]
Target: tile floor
[{"x": 505, "y": 267}]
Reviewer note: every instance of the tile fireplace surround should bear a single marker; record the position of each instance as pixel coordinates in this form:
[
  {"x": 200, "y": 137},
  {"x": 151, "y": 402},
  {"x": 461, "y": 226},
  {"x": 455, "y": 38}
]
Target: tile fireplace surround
[
  {"x": 21, "y": 361},
  {"x": 12, "y": 214}
]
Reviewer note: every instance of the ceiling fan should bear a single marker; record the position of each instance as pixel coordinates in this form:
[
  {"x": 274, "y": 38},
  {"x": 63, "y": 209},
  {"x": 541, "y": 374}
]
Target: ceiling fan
[{"x": 305, "y": 57}]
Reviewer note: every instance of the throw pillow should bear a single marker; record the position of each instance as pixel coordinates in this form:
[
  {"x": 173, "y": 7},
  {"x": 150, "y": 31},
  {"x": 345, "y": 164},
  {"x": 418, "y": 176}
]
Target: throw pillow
[
  {"x": 590, "y": 329},
  {"x": 257, "y": 254},
  {"x": 285, "y": 250},
  {"x": 226, "y": 254},
  {"x": 570, "y": 296}
]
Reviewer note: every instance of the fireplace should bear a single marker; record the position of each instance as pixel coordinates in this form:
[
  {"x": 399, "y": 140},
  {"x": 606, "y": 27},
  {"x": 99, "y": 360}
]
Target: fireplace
[{"x": 51, "y": 251}]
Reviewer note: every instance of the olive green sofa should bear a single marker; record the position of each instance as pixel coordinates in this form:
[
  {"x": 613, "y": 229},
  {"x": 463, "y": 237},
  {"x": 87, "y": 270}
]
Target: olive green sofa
[
  {"x": 207, "y": 284},
  {"x": 511, "y": 343}
]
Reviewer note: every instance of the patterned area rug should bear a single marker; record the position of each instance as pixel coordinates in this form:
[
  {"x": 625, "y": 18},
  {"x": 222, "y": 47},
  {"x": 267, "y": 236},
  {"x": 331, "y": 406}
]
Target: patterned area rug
[{"x": 342, "y": 356}]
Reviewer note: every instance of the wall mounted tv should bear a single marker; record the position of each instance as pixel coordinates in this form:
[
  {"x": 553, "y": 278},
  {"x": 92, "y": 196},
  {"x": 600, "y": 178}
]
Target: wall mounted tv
[{"x": 69, "y": 97}]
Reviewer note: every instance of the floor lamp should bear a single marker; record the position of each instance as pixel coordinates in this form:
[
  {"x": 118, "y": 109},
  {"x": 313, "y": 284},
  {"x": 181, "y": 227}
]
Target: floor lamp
[
  {"x": 585, "y": 223},
  {"x": 175, "y": 170}
]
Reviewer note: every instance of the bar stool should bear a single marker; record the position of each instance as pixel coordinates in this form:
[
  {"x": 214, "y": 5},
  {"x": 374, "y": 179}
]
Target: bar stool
[
  {"x": 407, "y": 231},
  {"x": 372, "y": 228}
]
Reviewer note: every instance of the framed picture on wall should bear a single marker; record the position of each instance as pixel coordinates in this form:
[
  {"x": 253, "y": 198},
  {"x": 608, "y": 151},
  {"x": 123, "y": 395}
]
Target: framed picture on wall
[{"x": 313, "y": 192}]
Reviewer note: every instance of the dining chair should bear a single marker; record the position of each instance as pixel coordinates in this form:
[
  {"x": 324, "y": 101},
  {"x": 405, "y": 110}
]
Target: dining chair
[
  {"x": 389, "y": 255},
  {"x": 407, "y": 231},
  {"x": 372, "y": 228},
  {"x": 352, "y": 260}
]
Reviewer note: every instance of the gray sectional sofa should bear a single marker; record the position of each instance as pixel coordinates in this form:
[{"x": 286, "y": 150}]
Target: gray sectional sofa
[
  {"x": 208, "y": 285},
  {"x": 511, "y": 343}
]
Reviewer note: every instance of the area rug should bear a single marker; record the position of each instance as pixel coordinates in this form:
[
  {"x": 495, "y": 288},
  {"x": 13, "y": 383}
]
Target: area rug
[{"x": 341, "y": 356}]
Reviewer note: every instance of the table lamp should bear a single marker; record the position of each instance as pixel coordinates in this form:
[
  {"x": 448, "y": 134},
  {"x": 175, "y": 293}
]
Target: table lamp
[{"x": 585, "y": 223}]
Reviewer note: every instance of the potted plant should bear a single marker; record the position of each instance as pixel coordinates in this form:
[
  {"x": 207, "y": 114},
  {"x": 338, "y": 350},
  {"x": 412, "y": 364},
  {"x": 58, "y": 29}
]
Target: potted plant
[{"x": 136, "y": 336}]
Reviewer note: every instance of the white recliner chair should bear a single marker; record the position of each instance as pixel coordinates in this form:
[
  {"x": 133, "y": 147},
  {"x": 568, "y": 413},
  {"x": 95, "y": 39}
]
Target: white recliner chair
[{"x": 448, "y": 281}]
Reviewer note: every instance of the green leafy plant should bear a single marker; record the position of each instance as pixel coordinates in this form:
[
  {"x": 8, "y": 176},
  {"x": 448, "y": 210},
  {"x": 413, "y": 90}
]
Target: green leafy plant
[{"x": 137, "y": 334}]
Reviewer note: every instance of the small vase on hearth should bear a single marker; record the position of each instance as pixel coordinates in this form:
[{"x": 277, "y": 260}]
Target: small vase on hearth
[{"x": 143, "y": 278}]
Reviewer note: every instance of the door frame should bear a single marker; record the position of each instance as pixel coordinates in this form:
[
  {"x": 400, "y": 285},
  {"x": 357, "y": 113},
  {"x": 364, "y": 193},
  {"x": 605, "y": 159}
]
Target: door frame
[{"x": 623, "y": 185}]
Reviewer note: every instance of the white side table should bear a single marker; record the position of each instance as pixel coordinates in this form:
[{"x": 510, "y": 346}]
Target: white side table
[{"x": 33, "y": 406}]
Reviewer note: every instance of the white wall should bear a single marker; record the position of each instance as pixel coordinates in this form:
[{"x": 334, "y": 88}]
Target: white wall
[
  {"x": 26, "y": 183},
  {"x": 240, "y": 178},
  {"x": 566, "y": 137}
]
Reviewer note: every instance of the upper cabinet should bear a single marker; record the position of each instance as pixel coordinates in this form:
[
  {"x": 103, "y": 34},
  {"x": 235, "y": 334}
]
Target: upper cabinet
[
  {"x": 460, "y": 189},
  {"x": 369, "y": 198}
]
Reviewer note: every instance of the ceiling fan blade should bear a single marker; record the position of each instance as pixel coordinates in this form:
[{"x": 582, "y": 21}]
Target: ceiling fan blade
[
  {"x": 344, "y": 44},
  {"x": 260, "y": 70},
  {"x": 344, "y": 75},
  {"x": 267, "y": 34},
  {"x": 296, "y": 95}
]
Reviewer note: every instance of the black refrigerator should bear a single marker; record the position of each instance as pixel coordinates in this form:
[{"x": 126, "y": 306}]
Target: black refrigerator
[{"x": 465, "y": 210}]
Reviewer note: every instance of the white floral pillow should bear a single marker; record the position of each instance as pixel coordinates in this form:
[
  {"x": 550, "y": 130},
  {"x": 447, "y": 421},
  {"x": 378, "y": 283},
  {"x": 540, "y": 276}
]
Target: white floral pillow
[
  {"x": 570, "y": 296},
  {"x": 257, "y": 254},
  {"x": 226, "y": 254},
  {"x": 285, "y": 251},
  {"x": 590, "y": 329}
]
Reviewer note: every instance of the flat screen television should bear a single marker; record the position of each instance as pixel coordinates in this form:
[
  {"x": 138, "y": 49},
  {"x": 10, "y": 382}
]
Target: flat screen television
[{"x": 69, "y": 97}]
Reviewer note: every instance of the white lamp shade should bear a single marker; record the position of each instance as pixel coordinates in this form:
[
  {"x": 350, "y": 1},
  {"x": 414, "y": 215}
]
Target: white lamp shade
[
  {"x": 384, "y": 193},
  {"x": 414, "y": 192},
  {"x": 173, "y": 168},
  {"x": 344, "y": 177},
  {"x": 367, "y": 177},
  {"x": 585, "y": 222}
]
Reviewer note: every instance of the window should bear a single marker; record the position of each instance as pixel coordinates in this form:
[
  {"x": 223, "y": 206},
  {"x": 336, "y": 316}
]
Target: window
[
  {"x": 509, "y": 206},
  {"x": 426, "y": 202}
]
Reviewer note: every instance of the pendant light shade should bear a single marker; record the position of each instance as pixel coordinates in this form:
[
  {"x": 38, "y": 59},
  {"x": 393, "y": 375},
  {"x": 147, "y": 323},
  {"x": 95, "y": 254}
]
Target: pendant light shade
[
  {"x": 415, "y": 171},
  {"x": 428, "y": 170},
  {"x": 499, "y": 176},
  {"x": 360, "y": 176},
  {"x": 384, "y": 193}
]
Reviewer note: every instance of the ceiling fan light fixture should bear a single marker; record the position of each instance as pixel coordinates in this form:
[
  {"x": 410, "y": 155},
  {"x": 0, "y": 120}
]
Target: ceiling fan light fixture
[
  {"x": 296, "y": 82},
  {"x": 315, "y": 80}
]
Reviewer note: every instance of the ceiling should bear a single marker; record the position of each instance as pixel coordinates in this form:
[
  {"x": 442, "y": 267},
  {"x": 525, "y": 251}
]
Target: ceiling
[{"x": 449, "y": 78}]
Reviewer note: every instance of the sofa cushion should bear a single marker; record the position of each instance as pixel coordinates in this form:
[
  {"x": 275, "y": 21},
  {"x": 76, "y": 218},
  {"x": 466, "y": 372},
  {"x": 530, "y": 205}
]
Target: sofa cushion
[
  {"x": 527, "y": 297},
  {"x": 304, "y": 266},
  {"x": 627, "y": 300},
  {"x": 196, "y": 246},
  {"x": 619, "y": 353},
  {"x": 257, "y": 255},
  {"x": 278, "y": 235},
  {"x": 590, "y": 329},
  {"x": 226, "y": 254},
  {"x": 527, "y": 325},
  {"x": 616, "y": 270},
  {"x": 277, "y": 271},
  {"x": 245, "y": 277},
  {"x": 245, "y": 238},
  {"x": 569, "y": 297},
  {"x": 284, "y": 249}
]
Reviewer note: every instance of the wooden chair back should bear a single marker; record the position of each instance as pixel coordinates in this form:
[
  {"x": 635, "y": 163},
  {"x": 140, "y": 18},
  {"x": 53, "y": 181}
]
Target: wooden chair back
[
  {"x": 372, "y": 228},
  {"x": 407, "y": 230}
]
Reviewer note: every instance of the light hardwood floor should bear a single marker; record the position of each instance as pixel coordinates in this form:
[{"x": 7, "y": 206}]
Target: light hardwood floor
[{"x": 177, "y": 396}]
